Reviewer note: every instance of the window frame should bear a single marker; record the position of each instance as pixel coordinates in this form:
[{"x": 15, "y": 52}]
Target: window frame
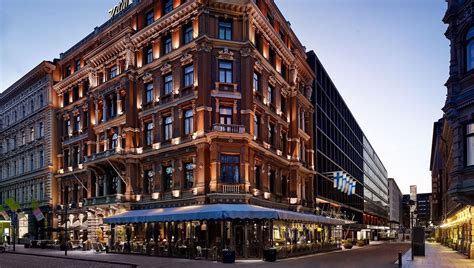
[
  {"x": 149, "y": 133},
  {"x": 224, "y": 29},
  {"x": 226, "y": 69},
  {"x": 188, "y": 76},
  {"x": 149, "y": 20},
  {"x": 233, "y": 169},
  {"x": 469, "y": 135},
  {"x": 188, "y": 122},
  {"x": 167, "y": 128},
  {"x": 188, "y": 34},
  {"x": 168, "y": 84},
  {"x": 149, "y": 92}
]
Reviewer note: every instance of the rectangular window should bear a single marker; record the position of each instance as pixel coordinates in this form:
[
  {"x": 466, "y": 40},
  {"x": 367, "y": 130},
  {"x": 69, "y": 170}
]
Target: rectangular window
[
  {"x": 188, "y": 176},
  {"x": 283, "y": 104},
  {"x": 66, "y": 98},
  {"x": 272, "y": 181},
  {"x": 32, "y": 106},
  {"x": 258, "y": 180},
  {"x": 167, "y": 178},
  {"x": 168, "y": 128},
  {"x": 113, "y": 72},
  {"x": 68, "y": 71},
  {"x": 167, "y": 44},
  {"x": 77, "y": 65},
  {"x": 23, "y": 138},
  {"x": 168, "y": 6},
  {"x": 32, "y": 134},
  {"x": 188, "y": 34},
  {"x": 148, "y": 54},
  {"x": 225, "y": 115},
  {"x": 86, "y": 120},
  {"x": 41, "y": 129},
  {"x": 188, "y": 122},
  {"x": 149, "y": 92},
  {"x": 230, "y": 168},
  {"x": 149, "y": 17},
  {"x": 271, "y": 133},
  {"x": 188, "y": 76},
  {"x": 225, "y": 29},
  {"x": 256, "y": 82},
  {"x": 149, "y": 134},
  {"x": 32, "y": 161},
  {"x": 75, "y": 93},
  {"x": 270, "y": 94},
  {"x": 470, "y": 144},
  {"x": 77, "y": 122},
  {"x": 256, "y": 127},
  {"x": 225, "y": 71},
  {"x": 41, "y": 158},
  {"x": 168, "y": 84}
]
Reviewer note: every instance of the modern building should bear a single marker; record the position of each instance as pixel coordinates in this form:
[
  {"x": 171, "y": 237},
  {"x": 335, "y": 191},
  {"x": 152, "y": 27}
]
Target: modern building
[
  {"x": 423, "y": 209},
  {"x": 395, "y": 215},
  {"x": 27, "y": 149},
  {"x": 173, "y": 107},
  {"x": 452, "y": 154},
  {"x": 375, "y": 192},
  {"x": 341, "y": 148},
  {"x": 406, "y": 213}
]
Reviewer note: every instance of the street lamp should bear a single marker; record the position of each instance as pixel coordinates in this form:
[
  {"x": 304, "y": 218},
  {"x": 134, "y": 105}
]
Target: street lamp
[{"x": 60, "y": 207}]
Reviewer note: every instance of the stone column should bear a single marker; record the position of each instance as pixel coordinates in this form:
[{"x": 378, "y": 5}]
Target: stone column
[
  {"x": 96, "y": 112},
  {"x": 105, "y": 185},
  {"x": 119, "y": 103},
  {"x": 104, "y": 109}
]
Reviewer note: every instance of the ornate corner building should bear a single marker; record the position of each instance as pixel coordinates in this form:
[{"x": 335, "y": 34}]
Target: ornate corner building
[
  {"x": 27, "y": 148},
  {"x": 452, "y": 157},
  {"x": 174, "y": 103}
]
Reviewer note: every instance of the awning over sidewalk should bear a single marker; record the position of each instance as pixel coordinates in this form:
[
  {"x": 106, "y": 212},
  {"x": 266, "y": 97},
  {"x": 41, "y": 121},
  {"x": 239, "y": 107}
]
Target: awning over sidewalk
[{"x": 215, "y": 212}]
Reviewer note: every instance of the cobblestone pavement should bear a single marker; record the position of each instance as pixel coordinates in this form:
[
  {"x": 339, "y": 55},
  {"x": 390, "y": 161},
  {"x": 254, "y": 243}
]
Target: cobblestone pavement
[{"x": 378, "y": 255}]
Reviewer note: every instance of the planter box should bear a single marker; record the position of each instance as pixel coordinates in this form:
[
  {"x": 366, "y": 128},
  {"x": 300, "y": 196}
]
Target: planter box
[
  {"x": 270, "y": 254},
  {"x": 228, "y": 256}
]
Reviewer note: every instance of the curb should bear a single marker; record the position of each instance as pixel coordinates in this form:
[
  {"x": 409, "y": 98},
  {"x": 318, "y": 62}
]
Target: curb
[{"x": 72, "y": 258}]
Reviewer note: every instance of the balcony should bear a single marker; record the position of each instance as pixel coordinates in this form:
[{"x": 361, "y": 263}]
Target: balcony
[
  {"x": 231, "y": 188},
  {"x": 237, "y": 129},
  {"x": 103, "y": 154},
  {"x": 100, "y": 200}
]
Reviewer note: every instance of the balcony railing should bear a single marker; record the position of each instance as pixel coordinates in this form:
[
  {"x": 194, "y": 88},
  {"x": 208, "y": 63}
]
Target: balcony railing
[
  {"x": 230, "y": 188},
  {"x": 229, "y": 128}
]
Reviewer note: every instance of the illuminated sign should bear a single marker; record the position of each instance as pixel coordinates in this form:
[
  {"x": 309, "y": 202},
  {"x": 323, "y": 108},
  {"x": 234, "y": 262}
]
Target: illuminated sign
[
  {"x": 343, "y": 182},
  {"x": 119, "y": 8}
]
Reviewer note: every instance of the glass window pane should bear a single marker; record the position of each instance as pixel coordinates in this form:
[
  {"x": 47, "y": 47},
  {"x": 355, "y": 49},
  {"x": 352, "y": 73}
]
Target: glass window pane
[{"x": 470, "y": 151}]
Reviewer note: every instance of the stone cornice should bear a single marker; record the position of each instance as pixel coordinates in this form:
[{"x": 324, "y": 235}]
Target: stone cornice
[
  {"x": 71, "y": 80},
  {"x": 165, "y": 23}
]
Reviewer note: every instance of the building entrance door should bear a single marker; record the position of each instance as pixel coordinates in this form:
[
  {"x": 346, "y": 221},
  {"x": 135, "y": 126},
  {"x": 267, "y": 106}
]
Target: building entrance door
[{"x": 239, "y": 239}]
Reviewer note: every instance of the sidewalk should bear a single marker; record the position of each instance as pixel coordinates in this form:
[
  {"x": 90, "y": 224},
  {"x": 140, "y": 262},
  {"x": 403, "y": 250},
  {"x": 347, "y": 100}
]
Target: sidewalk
[{"x": 437, "y": 256}]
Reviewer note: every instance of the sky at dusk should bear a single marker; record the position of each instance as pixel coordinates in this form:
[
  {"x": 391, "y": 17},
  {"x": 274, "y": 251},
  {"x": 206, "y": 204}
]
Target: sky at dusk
[{"x": 389, "y": 60}]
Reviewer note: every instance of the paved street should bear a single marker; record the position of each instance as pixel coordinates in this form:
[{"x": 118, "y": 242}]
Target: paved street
[
  {"x": 438, "y": 256},
  {"x": 381, "y": 255}
]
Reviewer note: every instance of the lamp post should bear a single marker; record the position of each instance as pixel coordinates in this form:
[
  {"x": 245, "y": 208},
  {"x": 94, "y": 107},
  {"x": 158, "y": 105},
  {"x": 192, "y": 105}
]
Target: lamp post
[{"x": 65, "y": 224}]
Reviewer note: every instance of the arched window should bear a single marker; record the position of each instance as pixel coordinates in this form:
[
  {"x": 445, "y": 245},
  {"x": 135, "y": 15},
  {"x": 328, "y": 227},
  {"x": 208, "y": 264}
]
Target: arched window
[{"x": 470, "y": 49}]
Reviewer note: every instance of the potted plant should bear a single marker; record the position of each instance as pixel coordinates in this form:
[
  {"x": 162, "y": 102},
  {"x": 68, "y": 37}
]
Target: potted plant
[
  {"x": 347, "y": 244},
  {"x": 360, "y": 243}
]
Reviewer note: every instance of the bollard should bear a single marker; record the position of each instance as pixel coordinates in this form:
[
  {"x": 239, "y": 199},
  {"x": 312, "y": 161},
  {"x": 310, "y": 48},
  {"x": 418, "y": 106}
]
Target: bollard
[{"x": 399, "y": 259}]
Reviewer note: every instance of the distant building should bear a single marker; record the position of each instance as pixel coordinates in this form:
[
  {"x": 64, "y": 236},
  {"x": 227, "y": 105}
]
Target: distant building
[
  {"x": 406, "y": 212},
  {"x": 395, "y": 205},
  {"x": 423, "y": 203}
]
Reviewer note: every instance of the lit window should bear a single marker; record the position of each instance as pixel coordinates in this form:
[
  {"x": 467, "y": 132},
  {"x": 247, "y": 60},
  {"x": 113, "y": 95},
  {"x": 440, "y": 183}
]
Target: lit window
[
  {"x": 168, "y": 84},
  {"x": 168, "y": 128},
  {"x": 188, "y": 122},
  {"x": 225, "y": 29},
  {"x": 114, "y": 141},
  {"x": 41, "y": 129},
  {"x": 256, "y": 127},
  {"x": 230, "y": 168},
  {"x": 225, "y": 115},
  {"x": 270, "y": 94},
  {"x": 225, "y": 71},
  {"x": 188, "y": 76},
  {"x": 149, "y": 92},
  {"x": 77, "y": 65}
]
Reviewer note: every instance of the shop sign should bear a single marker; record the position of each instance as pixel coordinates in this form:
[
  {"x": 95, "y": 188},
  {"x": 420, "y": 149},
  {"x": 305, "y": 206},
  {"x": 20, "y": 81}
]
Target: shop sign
[
  {"x": 344, "y": 183},
  {"x": 119, "y": 7}
]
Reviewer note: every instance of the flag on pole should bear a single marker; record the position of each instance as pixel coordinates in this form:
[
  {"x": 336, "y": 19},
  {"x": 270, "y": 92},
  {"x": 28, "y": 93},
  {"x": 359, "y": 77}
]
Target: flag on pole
[
  {"x": 12, "y": 204},
  {"x": 36, "y": 210},
  {"x": 38, "y": 214}
]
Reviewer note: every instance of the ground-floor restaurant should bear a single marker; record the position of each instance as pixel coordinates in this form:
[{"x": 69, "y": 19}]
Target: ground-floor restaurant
[
  {"x": 457, "y": 231},
  {"x": 206, "y": 231}
]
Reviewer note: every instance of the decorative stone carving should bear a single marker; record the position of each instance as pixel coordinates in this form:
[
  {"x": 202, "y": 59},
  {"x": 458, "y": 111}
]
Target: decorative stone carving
[
  {"x": 246, "y": 51},
  {"x": 258, "y": 65},
  {"x": 308, "y": 92},
  {"x": 206, "y": 46},
  {"x": 166, "y": 68},
  {"x": 186, "y": 59},
  {"x": 147, "y": 77},
  {"x": 226, "y": 54}
]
